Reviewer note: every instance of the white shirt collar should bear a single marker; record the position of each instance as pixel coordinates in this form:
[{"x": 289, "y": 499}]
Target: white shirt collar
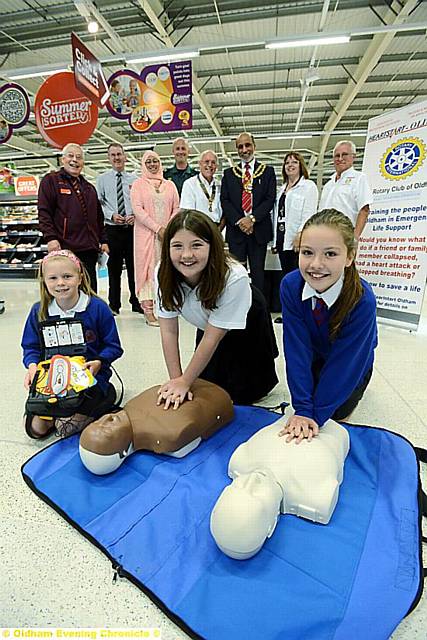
[
  {"x": 345, "y": 174},
  {"x": 55, "y": 310},
  {"x": 251, "y": 165},
  {"x": 330, "y": 296},
  {"x": 207, "y": 184}
]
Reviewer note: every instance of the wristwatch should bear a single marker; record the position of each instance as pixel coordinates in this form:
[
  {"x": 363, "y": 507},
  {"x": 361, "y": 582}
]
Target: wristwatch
[{"x": 252, "y": 217}]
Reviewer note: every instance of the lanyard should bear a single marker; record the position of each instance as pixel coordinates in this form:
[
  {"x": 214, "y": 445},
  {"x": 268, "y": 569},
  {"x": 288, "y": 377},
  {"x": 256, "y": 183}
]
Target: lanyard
[{"x": 211, "y": 197}]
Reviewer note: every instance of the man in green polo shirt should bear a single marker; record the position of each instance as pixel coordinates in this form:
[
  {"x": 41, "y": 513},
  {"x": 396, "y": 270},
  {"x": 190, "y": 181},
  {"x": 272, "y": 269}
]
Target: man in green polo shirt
[{"x": 181, "y": 169}]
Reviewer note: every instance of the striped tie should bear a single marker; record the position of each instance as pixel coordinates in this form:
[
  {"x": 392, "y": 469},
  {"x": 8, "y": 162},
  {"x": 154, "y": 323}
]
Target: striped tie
[
  {"x": 320, "y": 311},
  {"x": 247, "y": 193},
  {"x": 77, "y": 188},
  {"x": 121, "y": 209}
]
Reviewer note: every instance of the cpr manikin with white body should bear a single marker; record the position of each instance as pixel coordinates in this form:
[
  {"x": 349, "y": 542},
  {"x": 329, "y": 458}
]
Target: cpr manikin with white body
[{"x": 272, "y": 476}]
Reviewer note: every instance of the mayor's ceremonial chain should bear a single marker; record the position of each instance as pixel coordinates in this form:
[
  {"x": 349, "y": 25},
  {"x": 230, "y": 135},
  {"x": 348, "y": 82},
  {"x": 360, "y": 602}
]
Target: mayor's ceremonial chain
[
  {"x": 211, "y": 197},
  {"x": 247, "y": 185}
]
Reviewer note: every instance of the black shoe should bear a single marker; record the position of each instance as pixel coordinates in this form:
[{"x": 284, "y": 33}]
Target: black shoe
[
  {"x": 278, "y": 320},
  {"x": 115, "y": 312},
  {"x": 136, "y": 309}
]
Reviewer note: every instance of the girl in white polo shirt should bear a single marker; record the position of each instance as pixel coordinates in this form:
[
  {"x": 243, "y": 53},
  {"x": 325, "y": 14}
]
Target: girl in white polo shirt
[{"x": 235, "y": 343}]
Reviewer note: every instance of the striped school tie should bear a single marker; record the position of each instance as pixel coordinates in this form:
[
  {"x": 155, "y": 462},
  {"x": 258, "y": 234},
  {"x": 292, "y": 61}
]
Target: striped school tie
[
  {"x": 247, "y": 193},
  {"x": 121, "y": 209},
  {"x": 320, "y": 311}
]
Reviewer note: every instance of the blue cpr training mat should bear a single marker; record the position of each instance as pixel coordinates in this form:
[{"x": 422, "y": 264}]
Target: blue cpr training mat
[{"x": 353, "y": 579}]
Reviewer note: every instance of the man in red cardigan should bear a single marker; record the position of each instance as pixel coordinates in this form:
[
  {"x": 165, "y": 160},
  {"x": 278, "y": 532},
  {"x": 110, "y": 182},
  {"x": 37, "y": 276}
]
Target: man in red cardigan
[{"x": 70, "y": 214}]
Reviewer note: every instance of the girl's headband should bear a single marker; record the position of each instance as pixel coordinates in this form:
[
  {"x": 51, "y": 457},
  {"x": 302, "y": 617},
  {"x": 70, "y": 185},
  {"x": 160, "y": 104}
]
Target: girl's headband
[{"x": 63, "y": 253}]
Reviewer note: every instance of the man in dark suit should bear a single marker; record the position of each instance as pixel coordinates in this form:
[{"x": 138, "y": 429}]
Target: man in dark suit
[{"x": 248, "y": 193}]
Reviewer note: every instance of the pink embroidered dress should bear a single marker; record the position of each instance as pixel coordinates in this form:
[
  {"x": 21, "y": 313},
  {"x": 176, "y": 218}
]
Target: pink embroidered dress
[{"x": 154, "y": 202}]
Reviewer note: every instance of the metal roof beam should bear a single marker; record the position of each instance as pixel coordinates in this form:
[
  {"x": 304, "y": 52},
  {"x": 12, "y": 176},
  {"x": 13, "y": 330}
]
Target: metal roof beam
[
  {"x": 153, "y": 8},
  {"x": 380, "y": 42},
  {"x": 323, "y": 82},
  {"x": 303, "y": 64}
]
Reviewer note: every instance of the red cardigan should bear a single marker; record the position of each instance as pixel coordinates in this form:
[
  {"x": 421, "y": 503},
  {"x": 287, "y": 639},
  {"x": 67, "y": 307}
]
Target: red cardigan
[{"x": 62, "y": 218}]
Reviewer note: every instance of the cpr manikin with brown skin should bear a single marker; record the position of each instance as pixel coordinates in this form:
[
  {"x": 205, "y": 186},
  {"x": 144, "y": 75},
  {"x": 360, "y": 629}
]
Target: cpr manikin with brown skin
[
  {"x": 273, "y": 476},
  {"x": 142, "y": 424}
]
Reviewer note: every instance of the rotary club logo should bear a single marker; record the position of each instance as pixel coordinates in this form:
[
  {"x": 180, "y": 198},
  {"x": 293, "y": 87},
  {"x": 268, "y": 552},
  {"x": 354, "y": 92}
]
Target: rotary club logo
[{"x": 402, "y": 159}]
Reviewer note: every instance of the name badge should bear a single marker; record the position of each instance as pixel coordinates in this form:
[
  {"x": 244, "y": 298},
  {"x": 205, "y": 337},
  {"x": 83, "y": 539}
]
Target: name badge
[{"x": 67, "y": 191}]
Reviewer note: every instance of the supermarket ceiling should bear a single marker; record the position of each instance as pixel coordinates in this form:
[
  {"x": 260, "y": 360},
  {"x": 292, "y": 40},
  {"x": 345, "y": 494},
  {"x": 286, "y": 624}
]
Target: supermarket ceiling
[{"x": 301, "y": 96}]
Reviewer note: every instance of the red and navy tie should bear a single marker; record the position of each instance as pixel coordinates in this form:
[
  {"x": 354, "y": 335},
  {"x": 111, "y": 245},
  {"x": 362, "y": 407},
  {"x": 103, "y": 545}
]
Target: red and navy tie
[
  {"x": 320, "y": 311},
  {"x": 247, "y": 193}
]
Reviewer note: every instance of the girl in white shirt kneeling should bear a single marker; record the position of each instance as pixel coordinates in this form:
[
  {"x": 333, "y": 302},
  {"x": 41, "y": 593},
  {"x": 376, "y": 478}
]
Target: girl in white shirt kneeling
[{"x": 235, "y": 343}]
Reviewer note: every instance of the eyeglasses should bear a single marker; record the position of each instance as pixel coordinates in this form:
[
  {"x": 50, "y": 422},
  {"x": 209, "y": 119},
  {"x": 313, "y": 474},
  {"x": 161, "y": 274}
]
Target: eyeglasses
[
  {"x": 337, "y": 156},
  {"x": 74, "y": 156}
]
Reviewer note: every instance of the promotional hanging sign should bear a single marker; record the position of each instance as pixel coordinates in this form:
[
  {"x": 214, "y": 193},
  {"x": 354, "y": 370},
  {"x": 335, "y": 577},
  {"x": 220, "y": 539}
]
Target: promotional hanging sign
[
  {"x": 88, "y": 74},
  {"x": 159, "y": 99},
  {"x": 63, "y": 113},
  {"x": 26, "y": 186},
  {"x": 14, "y": 109},
  {"x": 392, "y": 252}
]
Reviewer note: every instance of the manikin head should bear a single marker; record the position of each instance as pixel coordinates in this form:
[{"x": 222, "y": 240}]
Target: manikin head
[
  {"x": 105, "y": 443},
  {"x": 246, "y": 514}
]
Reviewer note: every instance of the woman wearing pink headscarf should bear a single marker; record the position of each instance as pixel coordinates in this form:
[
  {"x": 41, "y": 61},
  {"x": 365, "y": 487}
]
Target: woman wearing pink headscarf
[{"x": 154, "y": 202}]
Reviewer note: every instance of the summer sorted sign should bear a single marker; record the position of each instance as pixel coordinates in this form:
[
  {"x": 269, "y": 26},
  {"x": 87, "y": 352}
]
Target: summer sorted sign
[
  {"x": 392, "y": 253},
  {"x": 88, "y": 74},
  {"x": 63, "y": 113}
]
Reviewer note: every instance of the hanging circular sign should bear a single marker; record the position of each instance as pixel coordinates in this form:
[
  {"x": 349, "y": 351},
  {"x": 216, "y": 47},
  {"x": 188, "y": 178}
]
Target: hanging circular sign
[
  {"x": 63, "y": 114},
  {"x": 14, "y": 109}
]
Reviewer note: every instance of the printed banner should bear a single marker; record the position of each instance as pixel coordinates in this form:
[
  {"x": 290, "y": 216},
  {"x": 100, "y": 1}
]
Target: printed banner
[
  {"x": 392, "y": 252},
  {"x": 6, "y": 181},
  {"x": 88, "y": 74},
  {"x": 158, "y": 99},
  {"x": 63, "y": 113},
  {"x": 26, "y": 186},
  {"x": 14, "y": 109}
]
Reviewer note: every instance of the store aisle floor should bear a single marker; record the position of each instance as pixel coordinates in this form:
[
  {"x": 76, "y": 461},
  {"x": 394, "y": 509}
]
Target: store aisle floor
[{"x": 51, "y": 575}]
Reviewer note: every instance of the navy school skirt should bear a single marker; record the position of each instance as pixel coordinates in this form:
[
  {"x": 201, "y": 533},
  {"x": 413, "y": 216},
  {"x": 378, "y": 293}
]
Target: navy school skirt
[{"x": 243, "y": 363}]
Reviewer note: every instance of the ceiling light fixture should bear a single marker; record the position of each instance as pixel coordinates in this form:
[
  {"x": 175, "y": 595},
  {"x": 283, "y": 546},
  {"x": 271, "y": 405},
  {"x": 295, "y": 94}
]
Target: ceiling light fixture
[
  {"x": 33, "y": 73},
  {"x": 308, "y": 41},
  {"x": 289, "y": 136},
  {"x": 162, "y": 56},
  {"x": 92, "y": 26}
]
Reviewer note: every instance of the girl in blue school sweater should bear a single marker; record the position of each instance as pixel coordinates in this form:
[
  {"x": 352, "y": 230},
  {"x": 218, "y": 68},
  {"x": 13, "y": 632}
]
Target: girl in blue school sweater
[
  {"x": 329, "y": 326},
  {"x": 65, "y": 293}
]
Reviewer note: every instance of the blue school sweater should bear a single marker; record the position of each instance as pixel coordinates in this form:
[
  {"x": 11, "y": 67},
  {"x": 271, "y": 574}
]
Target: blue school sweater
[{"x": 346, "y": 360}]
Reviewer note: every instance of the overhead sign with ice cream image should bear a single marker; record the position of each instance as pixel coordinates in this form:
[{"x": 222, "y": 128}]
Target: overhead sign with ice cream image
[{"x": 158, "y": 99}]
